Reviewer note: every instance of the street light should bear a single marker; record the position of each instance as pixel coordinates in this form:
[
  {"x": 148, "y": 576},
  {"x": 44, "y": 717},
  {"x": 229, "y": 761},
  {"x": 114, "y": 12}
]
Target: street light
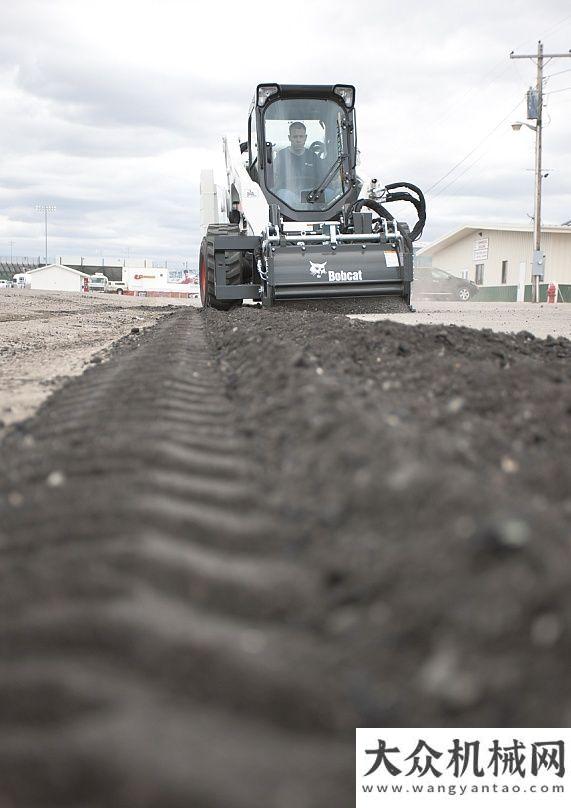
[
  {"x": 45, "y": 209},
  {"x": 518, "y": 124}
]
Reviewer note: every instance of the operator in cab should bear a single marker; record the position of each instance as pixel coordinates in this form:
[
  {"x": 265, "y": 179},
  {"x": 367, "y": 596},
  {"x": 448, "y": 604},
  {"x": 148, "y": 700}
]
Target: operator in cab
[{"x": 295, "y": 167}]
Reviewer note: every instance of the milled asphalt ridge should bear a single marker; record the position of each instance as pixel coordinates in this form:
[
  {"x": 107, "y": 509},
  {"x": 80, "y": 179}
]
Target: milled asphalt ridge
[
  {"x": 222, "y": 551},
  {"x": 425, "y": 471}
]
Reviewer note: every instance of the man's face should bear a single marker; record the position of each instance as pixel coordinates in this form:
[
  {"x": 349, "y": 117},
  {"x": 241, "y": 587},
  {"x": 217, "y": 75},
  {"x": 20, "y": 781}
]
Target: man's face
[{"x": 297, "y": 138}]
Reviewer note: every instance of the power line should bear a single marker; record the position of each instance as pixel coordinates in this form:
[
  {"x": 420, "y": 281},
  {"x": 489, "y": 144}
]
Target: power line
[
  {"x": 553, "y": 29},
  {"x": 441, "y": 191},
  {"x": 547, "y": 33},
  {"x": 477, "y": 147},
  {"x": 489, "y": 73},
  {"x": 559, "y": 72},
  {"x": 470, "y": 153},
  {"x": 478, "y": 86}
]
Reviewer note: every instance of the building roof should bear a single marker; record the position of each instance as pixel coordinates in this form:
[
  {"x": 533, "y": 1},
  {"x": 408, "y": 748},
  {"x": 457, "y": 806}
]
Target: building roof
[
  {"x": 462, "y": 232},
  {"x": 57, "y": 266}
]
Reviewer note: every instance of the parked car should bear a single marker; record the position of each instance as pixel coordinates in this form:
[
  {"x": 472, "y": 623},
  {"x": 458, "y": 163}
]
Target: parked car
[
  {"x": 5, "y": 284},
  {"x": 431, "y": 282}
]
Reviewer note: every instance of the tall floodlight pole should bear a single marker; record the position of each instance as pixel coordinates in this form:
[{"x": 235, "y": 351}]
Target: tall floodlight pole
[
  {"x": 45, "y": 209},
  {"x": 537, "y": 114}
]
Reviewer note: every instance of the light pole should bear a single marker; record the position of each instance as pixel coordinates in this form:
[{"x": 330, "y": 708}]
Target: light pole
[{"x": 45, "y": 209}]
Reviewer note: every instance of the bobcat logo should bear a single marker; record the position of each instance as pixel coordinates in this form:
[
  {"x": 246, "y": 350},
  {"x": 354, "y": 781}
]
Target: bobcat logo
[{"x": 317, "y": 270}]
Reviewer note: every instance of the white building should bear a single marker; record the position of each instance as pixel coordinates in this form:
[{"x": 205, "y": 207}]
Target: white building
[
  {"x": 57, "y": 278},
  {"x": 492, "y": 256}
]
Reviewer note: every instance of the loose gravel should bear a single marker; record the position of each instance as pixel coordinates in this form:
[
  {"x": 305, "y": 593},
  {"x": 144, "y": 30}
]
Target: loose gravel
[
  {"x": 46, "y": 337},
  {"x": 245, "y": 534}
]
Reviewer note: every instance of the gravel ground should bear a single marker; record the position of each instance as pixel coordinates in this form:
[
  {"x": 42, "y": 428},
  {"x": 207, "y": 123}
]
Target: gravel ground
[
  {"x": 47, "y": 337},
  {"x": 283, "y": 524},
  {"x": 540, "y": 319}
]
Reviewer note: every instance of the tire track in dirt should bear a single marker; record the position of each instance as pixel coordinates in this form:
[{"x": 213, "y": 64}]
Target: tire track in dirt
[{"x": 161, "y": 643}]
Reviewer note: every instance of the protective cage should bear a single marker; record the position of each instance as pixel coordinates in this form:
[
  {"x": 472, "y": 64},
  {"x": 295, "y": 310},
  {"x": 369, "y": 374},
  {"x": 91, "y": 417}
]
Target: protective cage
[{"x": 288, "y": 104}]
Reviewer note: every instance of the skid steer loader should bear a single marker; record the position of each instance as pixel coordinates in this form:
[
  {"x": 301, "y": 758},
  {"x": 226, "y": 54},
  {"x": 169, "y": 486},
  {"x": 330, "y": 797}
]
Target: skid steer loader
[{"x": 295, "y": 220}]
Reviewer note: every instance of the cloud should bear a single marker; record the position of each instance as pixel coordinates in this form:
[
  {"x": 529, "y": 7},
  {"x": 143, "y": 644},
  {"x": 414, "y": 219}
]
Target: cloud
[{"x": 111, "y": 109}]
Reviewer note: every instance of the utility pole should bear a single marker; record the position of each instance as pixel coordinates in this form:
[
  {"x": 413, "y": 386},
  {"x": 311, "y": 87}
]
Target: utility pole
[
  {"x": 11, "y": 247},
  {"x": 537, "y": 266},
  {"x": 45, "y": 209}
]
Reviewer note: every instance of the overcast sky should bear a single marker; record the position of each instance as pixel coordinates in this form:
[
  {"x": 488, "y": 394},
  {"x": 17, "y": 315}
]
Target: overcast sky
[{"x": 111, "y": 108}]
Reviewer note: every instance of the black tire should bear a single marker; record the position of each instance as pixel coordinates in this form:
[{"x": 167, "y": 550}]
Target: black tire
[
  {"x": 463, "y": 294},
  {"x": 233, "y": 260},
  {"x": 119, "y": 291}
]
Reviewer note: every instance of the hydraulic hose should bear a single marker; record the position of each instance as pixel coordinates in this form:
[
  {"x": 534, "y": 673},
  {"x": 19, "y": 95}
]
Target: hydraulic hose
[
  {"x": 394, "y": 195},
  {"x": 384, "y": 214}
]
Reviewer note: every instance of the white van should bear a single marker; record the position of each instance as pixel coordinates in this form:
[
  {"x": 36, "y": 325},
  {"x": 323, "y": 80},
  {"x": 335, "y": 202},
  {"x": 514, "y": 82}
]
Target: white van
[
  {"x": 98, "y": 282},
  {"x": 20, "y": 280}
]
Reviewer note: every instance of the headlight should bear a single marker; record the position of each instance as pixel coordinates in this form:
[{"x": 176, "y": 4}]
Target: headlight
[
  {"x": 347, "y": 93},
  {"x": 265, "y": 91}
]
